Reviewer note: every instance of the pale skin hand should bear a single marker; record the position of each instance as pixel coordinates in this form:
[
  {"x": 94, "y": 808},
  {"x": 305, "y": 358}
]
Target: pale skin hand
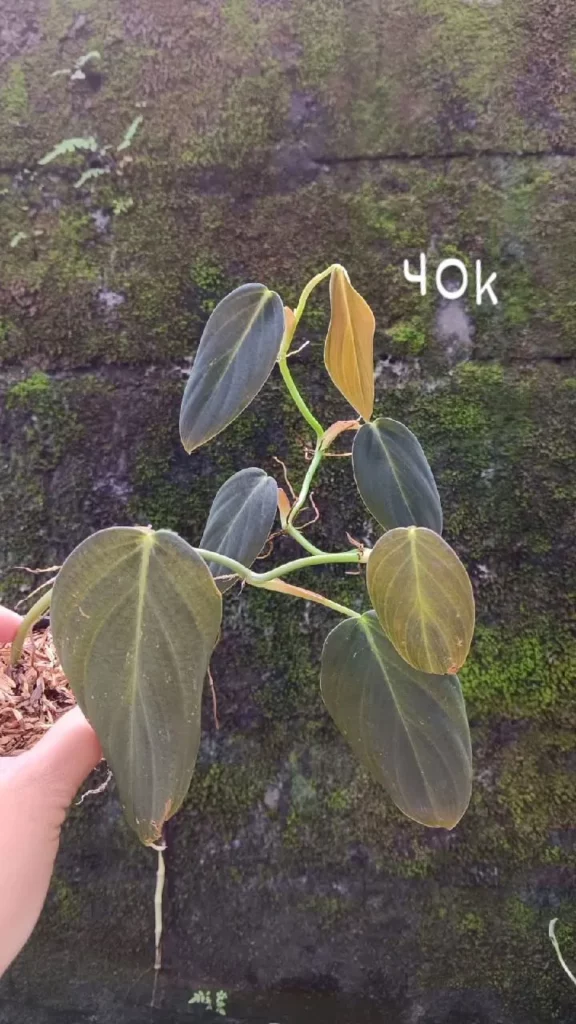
[{"x": 36, "y": 789}]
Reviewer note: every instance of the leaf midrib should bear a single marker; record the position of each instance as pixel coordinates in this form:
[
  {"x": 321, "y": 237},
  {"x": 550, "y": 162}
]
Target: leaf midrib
[
  {"x": 367, "y": 627},
  {"x": 238, "y": 345},
  {"x": 231, "y": 526},
  {"x": 148, "y": 544}
]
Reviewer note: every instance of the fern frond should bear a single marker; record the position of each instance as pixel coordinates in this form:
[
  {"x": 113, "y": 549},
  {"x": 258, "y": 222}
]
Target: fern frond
[
  {"x": 130, "y": 133},
  {"x": 92, "y": 172},
  {"x": 70, "y": 146},
  {"x": 93, "y": 55}
]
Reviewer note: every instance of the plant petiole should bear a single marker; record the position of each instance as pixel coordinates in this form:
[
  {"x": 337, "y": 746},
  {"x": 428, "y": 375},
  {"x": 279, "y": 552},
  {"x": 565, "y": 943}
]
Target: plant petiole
[
  {"x": 291, "y": 325},
  {"x": 292, "y": 531},
  {"x": 310, "y": 595},
  {"x": 297, "y": 397},
  {"x": 32, "y": 616},
  {"x": 258, "y": 579},
  {"x": 305, "y": 489}
]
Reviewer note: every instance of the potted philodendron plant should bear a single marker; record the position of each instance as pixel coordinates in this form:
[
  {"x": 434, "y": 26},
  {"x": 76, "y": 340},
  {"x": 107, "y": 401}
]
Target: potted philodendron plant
[{"x": 136, "y": 613}]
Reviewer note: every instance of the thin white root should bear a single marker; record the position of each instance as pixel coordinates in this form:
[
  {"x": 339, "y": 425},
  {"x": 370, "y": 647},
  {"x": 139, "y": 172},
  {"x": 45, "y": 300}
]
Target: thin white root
[
  {"x": 158, "y": 901},
  {"x": 295, "y": 351},
  {"x": 286, "y": 477},
  {"x": 96, "y": 792},
  {"x": 554, "y": 941},
  {"x": 36, "y": 572},
  {"x": 214, "y": 701}
]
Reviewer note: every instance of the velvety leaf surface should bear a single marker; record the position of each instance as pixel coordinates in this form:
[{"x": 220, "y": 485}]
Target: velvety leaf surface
[
  {"x": 237, "y": 351},
  {"x": 423, "y": 597},
  {"x": 408, "y": 728},
  {"x": 349, "y": 349},
  {"x": 240, "y": 520},
  {"x": 135, "y": 617},
  {"x": 393, "y": 477}
]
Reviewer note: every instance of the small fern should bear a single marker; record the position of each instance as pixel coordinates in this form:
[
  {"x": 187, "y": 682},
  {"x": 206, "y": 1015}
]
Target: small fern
[
  {"x": 216, "y": 1003},
  {"x": 76, "y": 72},
  {"x": 130, "y": 133},
  {"x": 70, "y": 146},
  {"x": 122, "y": 205},
  {"x": 93, "y": 55},
  {"x": 16, "y": 239},
  {"x": 92, "y": 172}
]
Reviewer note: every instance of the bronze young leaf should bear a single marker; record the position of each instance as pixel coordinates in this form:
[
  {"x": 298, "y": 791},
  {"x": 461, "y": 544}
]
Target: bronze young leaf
[
  {"x": 393, "y": 477},
  {"x": 423, "y": 598},
  {"x": 408, "y": 728},
  {"x": 349, "y": 350},
  {"x": 240, "y": 520},
  {"x": 235, "y": 357},
  {"x": 135, "y": 617}
]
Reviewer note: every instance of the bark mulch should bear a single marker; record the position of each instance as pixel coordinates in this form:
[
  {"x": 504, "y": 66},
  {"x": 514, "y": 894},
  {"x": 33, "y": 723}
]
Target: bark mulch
[{"x": 33, "y": 695}]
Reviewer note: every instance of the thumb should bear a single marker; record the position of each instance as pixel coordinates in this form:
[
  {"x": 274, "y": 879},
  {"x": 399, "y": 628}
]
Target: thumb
[
  {"x": 64, "y": 757},
  {"x": 9, "y": 623}
]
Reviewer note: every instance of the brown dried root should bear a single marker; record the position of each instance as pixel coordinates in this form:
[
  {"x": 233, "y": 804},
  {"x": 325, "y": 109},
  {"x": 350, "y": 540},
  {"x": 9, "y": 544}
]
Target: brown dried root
[
  {"x": 316, "y": 510},
  {"x": 286, "y": 477}
]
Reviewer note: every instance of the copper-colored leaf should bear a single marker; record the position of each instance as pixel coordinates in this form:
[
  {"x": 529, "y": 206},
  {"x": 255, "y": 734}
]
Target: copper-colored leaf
[
  {"x": 336, "y": 429},
  {"x": 284, "y": 505},
  {"x": 289, "y": 319},
  {"x": 349, "y": 350}
]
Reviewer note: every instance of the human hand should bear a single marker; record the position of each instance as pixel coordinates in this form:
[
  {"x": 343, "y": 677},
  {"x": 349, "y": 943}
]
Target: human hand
[{"x": 36, "y": 789}]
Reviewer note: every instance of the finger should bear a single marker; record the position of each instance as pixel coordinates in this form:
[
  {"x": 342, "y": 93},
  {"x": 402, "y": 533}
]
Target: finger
[
  {"x": 9, "y": 623},
  {"x": 65, "y": 756}
]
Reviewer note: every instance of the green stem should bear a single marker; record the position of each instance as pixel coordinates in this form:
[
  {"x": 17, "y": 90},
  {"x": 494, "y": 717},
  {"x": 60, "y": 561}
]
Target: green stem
[
  {"x": 257, "y": 579},
  {"x": 302, "y": 540},
  {"x": 305, "y": 489},
  {"x": 308, "y": 291},
  {"x": 36, "y": 612},
  {"x": 285, "y": 347},
  {"x": 297, "y": 398}
]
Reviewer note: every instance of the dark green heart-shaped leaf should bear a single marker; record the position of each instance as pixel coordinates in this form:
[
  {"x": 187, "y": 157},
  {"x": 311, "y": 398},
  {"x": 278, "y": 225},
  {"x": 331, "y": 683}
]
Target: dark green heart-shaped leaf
[
  {"x": 240, "y": 520},
  {"x": 393, "y": 477},
  {"x": 135, "y": 616},
  {"x": 408, "y": 728},
  {"x": 237, "y": 351},
  {"x": 423, "y": 597}
]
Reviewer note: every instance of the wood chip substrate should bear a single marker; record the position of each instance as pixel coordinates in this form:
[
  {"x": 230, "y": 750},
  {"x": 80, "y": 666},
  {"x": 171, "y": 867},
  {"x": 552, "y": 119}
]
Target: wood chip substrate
[{"x": 33, "y": 695}]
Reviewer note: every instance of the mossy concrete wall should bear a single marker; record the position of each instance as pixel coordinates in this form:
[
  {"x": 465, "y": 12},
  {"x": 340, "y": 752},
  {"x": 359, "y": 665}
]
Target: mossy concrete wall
[{"x": 277, "y": 138}]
